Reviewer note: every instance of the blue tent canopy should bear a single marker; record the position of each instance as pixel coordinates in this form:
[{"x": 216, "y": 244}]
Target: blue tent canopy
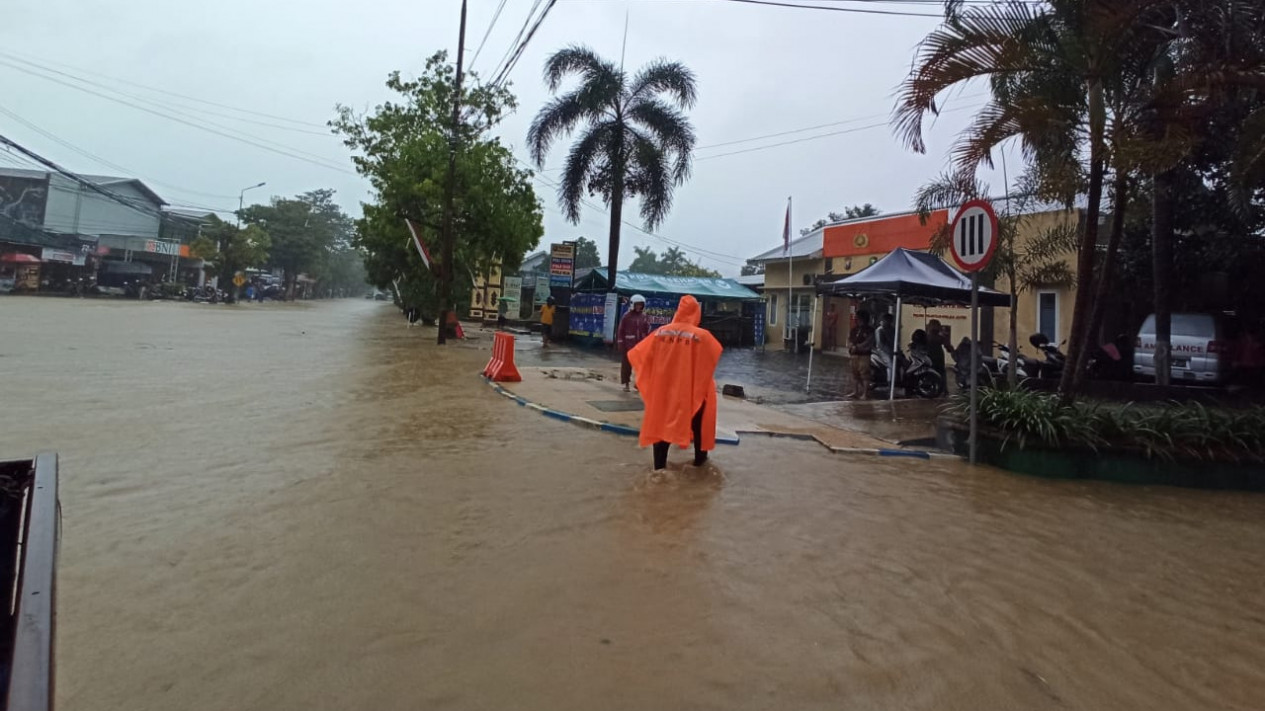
[{"x": 635, "y": 283}]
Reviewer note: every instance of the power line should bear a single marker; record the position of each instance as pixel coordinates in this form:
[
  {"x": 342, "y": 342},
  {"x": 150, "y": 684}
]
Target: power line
[
  {"x": 98, "y": 159},
  {"x": 518, "y": 52},
  {"x": 78, "y": 178},
  {"x": 813, "y": 138},
  {"x": 167, "y": 92},
  {"x": 286, "y": 151},
  {"x": 495, "y": 16},
  {"x": 836, "y": 8},
  {"x": 714, "y": 256},
  {"x": 517, "y": 38}
]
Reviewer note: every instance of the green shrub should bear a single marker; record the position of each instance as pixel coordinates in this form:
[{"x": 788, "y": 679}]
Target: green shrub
[{"x": 1166, "y": 431}]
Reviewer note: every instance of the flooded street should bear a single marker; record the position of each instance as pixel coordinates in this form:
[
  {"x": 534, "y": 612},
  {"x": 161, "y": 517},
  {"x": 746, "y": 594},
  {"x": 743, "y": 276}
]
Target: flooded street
[{"x": 312, "y": 507}]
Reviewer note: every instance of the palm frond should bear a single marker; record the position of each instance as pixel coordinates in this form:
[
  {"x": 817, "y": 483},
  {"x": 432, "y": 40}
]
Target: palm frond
[
  {"x": 648, "y": 177},
  {"x": 560, "y": 116},
  {"x": 672, "y": 79},
  {"x": 587, "y": 157},
  {"x": 670, "y": 129},
  {"x": 582, "y": 61}
]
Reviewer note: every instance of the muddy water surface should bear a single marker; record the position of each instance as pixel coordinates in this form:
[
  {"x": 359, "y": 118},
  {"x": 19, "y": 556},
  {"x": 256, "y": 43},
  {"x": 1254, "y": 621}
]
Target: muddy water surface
[{"x": 310, "y": 507}]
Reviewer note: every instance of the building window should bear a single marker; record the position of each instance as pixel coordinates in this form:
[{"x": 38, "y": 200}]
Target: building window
[
  {"x": 830, "y": 265},
  {"x": 772, "y": 309},
  {"x": 1048, "y": 314}
]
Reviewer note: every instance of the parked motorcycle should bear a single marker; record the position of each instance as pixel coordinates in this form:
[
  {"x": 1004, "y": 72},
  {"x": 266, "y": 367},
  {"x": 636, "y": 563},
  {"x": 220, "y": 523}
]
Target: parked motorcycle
[
  {"x": 916, "y": 374},
  {"x": 962, "y": 367}
]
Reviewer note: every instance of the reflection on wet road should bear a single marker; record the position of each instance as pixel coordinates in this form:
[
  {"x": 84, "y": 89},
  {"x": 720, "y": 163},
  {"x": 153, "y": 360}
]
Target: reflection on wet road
[{"x": 311, "y": 507}]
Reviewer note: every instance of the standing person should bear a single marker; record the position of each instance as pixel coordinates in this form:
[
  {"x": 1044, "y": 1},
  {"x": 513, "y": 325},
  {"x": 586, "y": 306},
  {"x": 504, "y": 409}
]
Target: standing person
[
  {"x": 502, "y": 308},
  {"x": 546, "y": 321},
  {"x": 860, "y": 345},
  {"x": 633, "y": 329},
  {"x": 830, "y": 339},
  {"x": 675, "y": 375},
  {"x": 937, "y": 346}
]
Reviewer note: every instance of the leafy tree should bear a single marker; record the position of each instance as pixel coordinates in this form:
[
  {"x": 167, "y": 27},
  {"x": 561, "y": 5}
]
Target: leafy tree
[
  {"x": 303, "y": 230},
  {"x": 402, "y": 147},
  {"x": 586, "y": 254},
  {"x": 752, "y": 269},
  {"x": 849, "y": 213},
  {"x": 230, "y": 248},
  {"x": 674, "y": 262},
  {"x": 635, "y": 140}
]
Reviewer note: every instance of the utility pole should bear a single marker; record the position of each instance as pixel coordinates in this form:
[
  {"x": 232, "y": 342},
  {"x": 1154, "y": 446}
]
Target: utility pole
[{"x": 450, "y": 188}]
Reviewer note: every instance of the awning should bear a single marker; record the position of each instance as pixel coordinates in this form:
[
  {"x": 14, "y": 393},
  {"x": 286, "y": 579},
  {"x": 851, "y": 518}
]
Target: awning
[
  {"x": 916, "y": 277},
  {"x": 636, "y": 283},
  {"x": 19, "y": 258},
  {"x": 127, "y": 268}
]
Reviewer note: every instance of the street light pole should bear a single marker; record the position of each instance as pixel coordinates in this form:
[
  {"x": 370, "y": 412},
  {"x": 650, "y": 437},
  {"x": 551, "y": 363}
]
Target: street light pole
[{"x": 241, "y": 201}]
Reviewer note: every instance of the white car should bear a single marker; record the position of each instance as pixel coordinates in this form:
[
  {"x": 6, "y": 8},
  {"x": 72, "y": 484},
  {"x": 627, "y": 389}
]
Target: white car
[{"x": 1201, "y": 349}]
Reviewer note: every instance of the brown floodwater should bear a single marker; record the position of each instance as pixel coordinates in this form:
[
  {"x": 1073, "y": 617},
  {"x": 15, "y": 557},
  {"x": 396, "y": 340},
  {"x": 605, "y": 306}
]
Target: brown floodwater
[{"x": 311, "y": 507}]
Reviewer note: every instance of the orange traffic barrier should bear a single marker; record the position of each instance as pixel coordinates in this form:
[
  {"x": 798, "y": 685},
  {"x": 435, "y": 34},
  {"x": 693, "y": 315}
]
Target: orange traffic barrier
[{"x": 501, "y": 368}]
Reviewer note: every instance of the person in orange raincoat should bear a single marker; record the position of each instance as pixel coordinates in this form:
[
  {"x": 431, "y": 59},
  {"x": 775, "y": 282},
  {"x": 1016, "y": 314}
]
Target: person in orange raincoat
[{"x": 675, "y": 367}]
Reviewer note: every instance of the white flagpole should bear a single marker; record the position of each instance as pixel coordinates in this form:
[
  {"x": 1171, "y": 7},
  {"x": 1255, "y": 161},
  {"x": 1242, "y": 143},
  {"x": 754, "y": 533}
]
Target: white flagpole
[
  {"x": 813, "y": 325},
  {"x": 790, "y": 276}
]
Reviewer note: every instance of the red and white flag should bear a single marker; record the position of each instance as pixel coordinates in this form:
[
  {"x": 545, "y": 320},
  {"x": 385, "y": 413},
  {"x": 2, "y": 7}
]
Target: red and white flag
[
  {"x": 786, "y": 228},
  {"x": 416, "y": 231}
]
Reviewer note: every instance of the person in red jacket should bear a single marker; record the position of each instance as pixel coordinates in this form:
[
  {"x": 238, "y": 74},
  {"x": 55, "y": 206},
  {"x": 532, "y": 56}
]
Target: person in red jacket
[
  {"x": 675, "y": 375},
  {"x": 632, "y": 330}
]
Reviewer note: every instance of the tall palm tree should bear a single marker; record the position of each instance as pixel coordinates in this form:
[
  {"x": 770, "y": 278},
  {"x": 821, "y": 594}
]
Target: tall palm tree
[
  {"x": 1050, "y": 68},
  {"x": 634, "y": 138}
]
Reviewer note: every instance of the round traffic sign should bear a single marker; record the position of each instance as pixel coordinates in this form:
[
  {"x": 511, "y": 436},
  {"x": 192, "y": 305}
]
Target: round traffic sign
[
  {"x": 974, "y": 236},
  {"x": 239, "y": 280}
]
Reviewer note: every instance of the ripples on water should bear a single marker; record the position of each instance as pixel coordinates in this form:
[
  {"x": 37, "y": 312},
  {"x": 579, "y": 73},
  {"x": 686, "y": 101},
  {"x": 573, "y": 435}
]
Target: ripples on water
[{"x": 310, "y": 507}]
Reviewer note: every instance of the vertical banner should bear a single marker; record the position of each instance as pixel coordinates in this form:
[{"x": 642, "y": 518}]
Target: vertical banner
[
  {"x": 542, "y": 290},
  {"x": 757, "y": 326},
  {"x": 608, "y": 325},
  {"x": 512, "y": 293},
  {"x": 561, "y": 265}
]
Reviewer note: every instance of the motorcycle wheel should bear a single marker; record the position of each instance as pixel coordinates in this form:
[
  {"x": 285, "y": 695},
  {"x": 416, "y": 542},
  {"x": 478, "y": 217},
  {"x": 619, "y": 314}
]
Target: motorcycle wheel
[{"x": 927, "y": 384}]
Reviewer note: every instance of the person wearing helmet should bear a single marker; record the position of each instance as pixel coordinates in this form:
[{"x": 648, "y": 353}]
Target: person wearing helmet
[{"x": 634, "y": 327}]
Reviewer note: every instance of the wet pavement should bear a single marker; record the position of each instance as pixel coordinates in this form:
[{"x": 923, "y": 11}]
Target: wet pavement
[{"x": 312, "y": 507}]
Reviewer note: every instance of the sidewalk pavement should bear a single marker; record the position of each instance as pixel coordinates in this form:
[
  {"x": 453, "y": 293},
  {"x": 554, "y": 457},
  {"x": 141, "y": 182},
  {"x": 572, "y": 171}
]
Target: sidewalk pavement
[{"x": 594, "y": 393}]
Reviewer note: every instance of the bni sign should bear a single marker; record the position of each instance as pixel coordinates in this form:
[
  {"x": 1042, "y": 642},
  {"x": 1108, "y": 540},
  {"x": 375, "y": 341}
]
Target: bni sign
[{"x": 974, "y": 236}]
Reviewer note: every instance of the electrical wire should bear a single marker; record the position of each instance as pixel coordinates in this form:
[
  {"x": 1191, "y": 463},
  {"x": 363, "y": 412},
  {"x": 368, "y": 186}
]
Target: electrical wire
[
  {"x": 495, "y": 16},
  {"x": 165, "y": 91},
  {"x": 504, "y": 73},
  {"x": 77, "y": 178},
  {"x": 286, "y": 151}
]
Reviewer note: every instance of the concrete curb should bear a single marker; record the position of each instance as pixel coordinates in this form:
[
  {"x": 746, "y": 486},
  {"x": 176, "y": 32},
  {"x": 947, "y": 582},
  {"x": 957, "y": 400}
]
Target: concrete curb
[
  {"x": 869, "y": 451},
  {"x": 586, "y": 422}
]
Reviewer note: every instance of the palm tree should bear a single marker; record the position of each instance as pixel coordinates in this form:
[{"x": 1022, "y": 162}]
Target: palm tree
[
  {"x": 1050, "y": 68},
  {"x": 634, "y": 141}
]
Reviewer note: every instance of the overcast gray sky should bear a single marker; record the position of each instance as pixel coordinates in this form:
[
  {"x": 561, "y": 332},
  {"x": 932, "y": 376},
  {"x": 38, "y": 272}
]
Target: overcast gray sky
[{"x": 761, "y": 70}]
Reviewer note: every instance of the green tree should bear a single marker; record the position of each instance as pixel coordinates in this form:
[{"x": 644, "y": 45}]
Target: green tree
[
  {"x": 402, "y": 147},
  {"x": 849, "y": 213},
  {"x": 586, "y": 254},
  {"x": 230, "y": 248},
  {"x": 635, "y": 140},
  {"x": 1052, "y": 69},
  {"x": 752, "y": 269},
  {"x": 674, "y": 262},
  {"x": 304, "y": 229}
]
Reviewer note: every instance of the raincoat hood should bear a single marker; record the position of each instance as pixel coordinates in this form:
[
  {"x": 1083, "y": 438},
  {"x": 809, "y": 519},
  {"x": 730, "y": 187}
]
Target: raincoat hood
[{"x": 688, "y": 312}]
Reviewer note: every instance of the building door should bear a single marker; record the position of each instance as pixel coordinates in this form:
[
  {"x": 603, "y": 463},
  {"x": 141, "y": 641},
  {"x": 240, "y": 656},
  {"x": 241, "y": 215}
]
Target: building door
[{"x": 1048, "y": 314}]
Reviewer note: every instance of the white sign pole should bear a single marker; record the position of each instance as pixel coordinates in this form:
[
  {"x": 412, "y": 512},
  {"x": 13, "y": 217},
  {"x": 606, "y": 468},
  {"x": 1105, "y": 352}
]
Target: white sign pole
[
  {"x": 974, "y": 240},
  {"x": 891, "y": 365},
  {"x": 974, "y": 363}
]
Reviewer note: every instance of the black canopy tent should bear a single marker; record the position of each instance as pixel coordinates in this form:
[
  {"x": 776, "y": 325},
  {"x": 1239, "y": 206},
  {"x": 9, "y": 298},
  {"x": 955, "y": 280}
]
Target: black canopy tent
[{"x": 911, "y": 277}]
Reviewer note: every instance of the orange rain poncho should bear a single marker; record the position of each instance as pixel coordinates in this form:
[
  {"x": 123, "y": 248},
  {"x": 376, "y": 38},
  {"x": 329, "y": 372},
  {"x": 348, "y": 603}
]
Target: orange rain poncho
[{"x": 674, "y": 367}]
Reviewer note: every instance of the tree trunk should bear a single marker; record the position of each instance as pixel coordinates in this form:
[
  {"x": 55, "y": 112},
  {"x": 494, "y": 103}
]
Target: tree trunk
[
  {"x": 1092, "y": 329},
  {"x": 1162, "y": 265},
  {"x": 617, "y": 211},
  {"x": 1089, "y": 243},
  {"x": 450, "y": 189}
]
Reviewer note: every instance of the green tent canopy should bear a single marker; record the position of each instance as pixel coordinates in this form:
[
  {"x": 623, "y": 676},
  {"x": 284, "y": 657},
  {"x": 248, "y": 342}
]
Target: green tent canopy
[{"x": 628, "y": 283}]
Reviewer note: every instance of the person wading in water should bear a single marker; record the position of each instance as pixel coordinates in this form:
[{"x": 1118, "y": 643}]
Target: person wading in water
[
  {"x": 632, "y": 330},
  {"x": 675, "y": 369}
]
